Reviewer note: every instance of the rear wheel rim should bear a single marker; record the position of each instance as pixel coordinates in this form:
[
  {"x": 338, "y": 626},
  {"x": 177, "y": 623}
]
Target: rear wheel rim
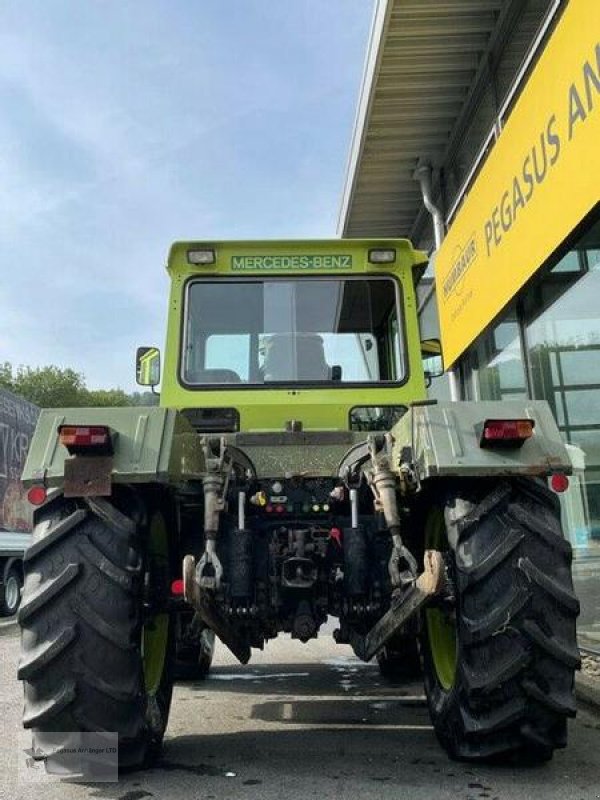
[
  {"x": 441, "y": 625},
  {"x": 155, "y": 633}
]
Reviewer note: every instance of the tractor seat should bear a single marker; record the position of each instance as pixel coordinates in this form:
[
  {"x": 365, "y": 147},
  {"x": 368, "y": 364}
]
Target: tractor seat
[
  {"x": 213, "y": 376},
  {"x": 296, "y": 357}
]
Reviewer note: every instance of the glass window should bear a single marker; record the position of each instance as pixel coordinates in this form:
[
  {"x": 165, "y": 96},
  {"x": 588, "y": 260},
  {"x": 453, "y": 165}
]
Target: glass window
[
  {"x": 229, "y": 351},
  {"x": 301, "y": 330},
  {"x": 497, "y": 369},
  {"x": 556, "y": 328},
  {"x": 562, "y": 315},
  {"x": 439, "y": 388}
]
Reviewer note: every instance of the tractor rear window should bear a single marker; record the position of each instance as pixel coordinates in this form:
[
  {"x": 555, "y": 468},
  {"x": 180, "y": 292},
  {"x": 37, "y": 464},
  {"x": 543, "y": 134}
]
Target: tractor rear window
[{"x": 305, "y": 330}]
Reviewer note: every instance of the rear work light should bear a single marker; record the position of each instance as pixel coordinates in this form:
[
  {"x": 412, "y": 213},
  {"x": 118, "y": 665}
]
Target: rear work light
[
  {"x": 382, "y": 256},
  {"x": 506, "y": 432},
  {"x": 201, "y": 256},
  {"x": 86, "y": 439}
]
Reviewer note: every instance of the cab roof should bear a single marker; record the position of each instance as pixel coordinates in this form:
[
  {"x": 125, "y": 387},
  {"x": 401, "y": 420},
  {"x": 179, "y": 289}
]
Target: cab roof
[{"x": 295, "y": 256}]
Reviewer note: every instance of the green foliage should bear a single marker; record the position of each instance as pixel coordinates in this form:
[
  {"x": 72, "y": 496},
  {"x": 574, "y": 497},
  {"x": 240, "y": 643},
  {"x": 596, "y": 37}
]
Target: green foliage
[
  {"x": 47, "y": 387},
  {"x": 144, "y": 399},
  {"x": 106, "y": 397},
  {"x": 54, "y": 387}
]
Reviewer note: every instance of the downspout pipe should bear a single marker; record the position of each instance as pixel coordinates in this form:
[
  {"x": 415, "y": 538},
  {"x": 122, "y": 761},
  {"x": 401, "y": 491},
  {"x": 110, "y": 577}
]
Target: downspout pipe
[{"x": 423, "y": 174}]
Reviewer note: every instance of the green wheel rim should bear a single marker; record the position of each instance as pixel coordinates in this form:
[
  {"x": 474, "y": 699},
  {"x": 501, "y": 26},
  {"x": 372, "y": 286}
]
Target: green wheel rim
[
  {"x": 441, "y": 627},
  {"x": 155, "y": 633}
]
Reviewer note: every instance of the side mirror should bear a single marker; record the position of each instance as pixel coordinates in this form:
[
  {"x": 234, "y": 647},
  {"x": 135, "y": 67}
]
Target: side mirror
[
  {"x": 147, "y": 366},
  {"x": 433, "y": 362}
]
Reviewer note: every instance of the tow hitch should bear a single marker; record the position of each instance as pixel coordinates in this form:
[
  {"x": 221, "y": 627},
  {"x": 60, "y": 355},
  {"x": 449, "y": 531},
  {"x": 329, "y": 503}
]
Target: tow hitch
[
  {"x": 405, "y": 603},
  {"x": 204, "y": 602}
]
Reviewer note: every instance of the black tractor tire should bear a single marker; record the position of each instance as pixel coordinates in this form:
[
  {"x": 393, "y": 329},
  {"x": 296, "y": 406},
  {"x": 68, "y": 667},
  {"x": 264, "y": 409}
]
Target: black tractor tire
[
  {"x": 194, "y": 655},
  {"x": 399, "y": 661},
  {"x": 82, "y": 617},
  {"x": 10, "y": 592},
  {"x": 515, "y": 612}
]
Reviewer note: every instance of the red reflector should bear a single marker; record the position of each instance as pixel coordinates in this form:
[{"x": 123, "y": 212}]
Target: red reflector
[
  {"x": 269, "y": 509},
  {"x": 279, "y": 509},
  {"x": 559, "y": 482},
  {"x": 83, "y": 435},
  {"x": 177, "y": 587},
  {"x": 37, "y": 495}
]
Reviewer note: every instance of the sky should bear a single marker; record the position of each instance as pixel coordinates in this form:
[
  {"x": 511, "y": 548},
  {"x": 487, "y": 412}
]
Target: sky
[{"x": 125, "y": 126}]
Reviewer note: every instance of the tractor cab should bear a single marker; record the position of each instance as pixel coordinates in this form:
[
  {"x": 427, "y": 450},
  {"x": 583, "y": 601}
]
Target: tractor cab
[{"x": 323, "y": 333}]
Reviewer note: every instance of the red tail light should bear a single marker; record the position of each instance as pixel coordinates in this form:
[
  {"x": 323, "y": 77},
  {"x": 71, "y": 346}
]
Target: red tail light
[
  {"x": 37, "y": 495},
  {"x": 86, "y": 439},
  {"x": 177, "y": 587},
  {"x": 506, "y": 432},
  {"x": 559, "y": 482}
]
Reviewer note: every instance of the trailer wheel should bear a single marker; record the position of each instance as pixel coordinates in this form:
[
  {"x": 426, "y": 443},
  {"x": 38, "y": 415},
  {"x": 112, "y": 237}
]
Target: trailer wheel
[
  {"x": 10, "y": 592},
  {"x": 399, "y": 660},
  {"x": 97, "y": 638},
  {"x": 499, "y": 666}
]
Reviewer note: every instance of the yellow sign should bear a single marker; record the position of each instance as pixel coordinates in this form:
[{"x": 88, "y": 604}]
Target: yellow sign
[{"x": 540, "y": 180}]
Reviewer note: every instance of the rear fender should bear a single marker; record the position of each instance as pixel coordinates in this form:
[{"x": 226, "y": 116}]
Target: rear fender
[
  {"x": 151, "y": 445},
  {"x": 444, "y": 441}
]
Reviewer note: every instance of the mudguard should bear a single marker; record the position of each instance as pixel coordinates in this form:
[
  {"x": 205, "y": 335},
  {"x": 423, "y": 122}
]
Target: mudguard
[
  {"x": 151, "y": 445},
  {"x": 444, "y": 439}
]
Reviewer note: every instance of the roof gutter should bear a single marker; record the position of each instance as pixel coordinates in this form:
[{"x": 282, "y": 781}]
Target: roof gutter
[{"x": 381, "y": 17}]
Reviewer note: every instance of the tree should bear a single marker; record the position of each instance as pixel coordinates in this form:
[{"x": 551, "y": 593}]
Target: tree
[
  {"x": 47, "y": 387},
  {"x": 54, "y": 387},
  {"x": 106, "y": 397},
  {"x": 144, "y": 399}
]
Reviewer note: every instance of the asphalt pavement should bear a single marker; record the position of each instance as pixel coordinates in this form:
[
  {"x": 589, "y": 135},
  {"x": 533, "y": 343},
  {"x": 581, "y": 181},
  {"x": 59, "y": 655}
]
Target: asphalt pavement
[{"x": 301, "y": 721}]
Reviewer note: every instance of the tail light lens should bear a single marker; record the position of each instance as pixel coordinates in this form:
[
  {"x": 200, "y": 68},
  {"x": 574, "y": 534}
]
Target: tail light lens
[
  {"x": 506, "y": 432},
  {"x": 86, "y": 439},
  {"x": 177, "y": 587},
  {"x": 559, "y": 482},
  {"x": 37, "y": 495}
]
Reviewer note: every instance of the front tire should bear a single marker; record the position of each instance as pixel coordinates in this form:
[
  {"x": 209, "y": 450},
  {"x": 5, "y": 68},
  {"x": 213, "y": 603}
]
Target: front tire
[
  {"x": 499, "y": 667},
  {"x": 95, "y": 651}
]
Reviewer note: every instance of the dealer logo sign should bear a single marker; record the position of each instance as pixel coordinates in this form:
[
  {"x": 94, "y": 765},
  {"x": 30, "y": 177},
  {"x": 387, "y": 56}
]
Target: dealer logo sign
[{"x": 464, "y": 257}]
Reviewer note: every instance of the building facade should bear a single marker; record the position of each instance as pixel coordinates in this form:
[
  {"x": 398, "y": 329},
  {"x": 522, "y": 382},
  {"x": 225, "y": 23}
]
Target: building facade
[{"x": 478, "y": 137}]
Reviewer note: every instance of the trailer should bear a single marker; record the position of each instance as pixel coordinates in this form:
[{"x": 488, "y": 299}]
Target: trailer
[{"x": 18, "y": 418}]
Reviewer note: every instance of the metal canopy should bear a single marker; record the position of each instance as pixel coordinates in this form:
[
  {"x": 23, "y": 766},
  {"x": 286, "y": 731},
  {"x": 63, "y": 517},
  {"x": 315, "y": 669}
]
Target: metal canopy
[{"x": 427, "y": 63}]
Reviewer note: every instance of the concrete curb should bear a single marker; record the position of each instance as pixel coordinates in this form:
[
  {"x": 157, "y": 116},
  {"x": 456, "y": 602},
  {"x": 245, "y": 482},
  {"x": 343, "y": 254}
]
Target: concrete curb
[{"x": 587, "y": 690}]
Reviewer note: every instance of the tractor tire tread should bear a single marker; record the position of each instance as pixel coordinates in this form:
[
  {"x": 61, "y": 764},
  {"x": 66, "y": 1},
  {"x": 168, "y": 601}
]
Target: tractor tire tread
[
  {"x": 38, "y": 600},
  {"x": 81, "y": 660},
  {"x": 39, "y": 658},
  {"x": 56, "y": 535},
  {"x": 514, "y": 685}
]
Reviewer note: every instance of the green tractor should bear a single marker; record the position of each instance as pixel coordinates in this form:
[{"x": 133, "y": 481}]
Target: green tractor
[{"x": 296, "y": 470}]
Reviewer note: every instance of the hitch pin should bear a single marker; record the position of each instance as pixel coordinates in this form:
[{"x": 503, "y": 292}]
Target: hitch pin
[
  {"x": 353, "y": 509},
  {"x": 241, "y": 511}
]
